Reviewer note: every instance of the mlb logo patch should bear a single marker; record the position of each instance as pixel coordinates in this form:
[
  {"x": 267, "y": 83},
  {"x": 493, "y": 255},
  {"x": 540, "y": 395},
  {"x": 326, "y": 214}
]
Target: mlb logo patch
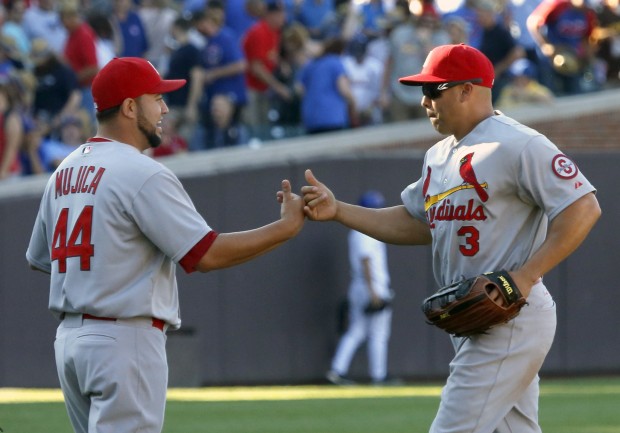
[{"x": 87, "y": 150}]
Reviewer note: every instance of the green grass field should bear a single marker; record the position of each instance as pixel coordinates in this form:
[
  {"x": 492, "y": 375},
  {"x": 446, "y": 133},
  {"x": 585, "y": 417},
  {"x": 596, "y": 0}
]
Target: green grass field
[{"x": 566, "y": 406}]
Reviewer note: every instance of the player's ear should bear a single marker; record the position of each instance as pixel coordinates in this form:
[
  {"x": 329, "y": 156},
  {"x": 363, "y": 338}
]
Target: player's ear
[
  {"x": 129, "y": 108},
  {"x": 466, "y": 90}
]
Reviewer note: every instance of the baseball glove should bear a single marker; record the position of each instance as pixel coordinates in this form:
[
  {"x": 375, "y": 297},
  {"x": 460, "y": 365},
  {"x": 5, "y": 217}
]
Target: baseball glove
[
  {"x": 375, "y": 308},
  {"x": 465, "y": 308}
]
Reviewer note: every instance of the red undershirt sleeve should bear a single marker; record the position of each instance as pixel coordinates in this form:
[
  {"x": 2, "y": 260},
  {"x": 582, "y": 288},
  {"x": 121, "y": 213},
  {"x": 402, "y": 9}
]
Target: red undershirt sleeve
[{"x": 191, "y": 259}]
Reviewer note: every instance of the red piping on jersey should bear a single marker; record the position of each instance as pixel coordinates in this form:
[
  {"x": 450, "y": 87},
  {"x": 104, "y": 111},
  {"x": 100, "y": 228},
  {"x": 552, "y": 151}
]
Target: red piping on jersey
[
  {"x": 97, "y": 140},
  {"x": 192, "y": 258}
]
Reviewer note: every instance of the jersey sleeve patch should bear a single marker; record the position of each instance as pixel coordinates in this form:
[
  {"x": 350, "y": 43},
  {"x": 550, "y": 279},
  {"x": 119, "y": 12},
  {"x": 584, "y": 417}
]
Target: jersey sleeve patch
[
  {"x": 563, "y": 167},
  {"x": 191, "y": 259}
]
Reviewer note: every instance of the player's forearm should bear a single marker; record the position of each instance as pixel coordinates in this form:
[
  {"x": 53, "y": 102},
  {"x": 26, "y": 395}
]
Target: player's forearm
[
  {"x": 393, "y": 225},
  {"x": 566, "y": 232},
  {"x": 230, "y": 249}
]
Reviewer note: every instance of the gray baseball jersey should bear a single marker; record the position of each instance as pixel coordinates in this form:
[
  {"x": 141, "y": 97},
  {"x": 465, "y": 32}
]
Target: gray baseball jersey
[
  {"x": 488, "y": 203},
  {"x": 111, "y": 226}
]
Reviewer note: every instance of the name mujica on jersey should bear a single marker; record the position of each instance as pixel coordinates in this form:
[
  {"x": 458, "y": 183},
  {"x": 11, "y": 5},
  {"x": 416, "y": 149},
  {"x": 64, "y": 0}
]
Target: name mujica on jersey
[{"x": 82, "y": 180}]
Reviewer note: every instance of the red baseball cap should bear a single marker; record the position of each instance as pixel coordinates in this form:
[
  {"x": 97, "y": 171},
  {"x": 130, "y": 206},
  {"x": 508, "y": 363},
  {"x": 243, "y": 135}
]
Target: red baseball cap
[
  {"x": 128, "y": 77},
  {"x": 447, "y": 63}
]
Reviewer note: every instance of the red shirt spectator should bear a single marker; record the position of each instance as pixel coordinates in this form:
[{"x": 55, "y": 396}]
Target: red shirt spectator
[
  {"x": 261, "y": 44},
  {"x": 80, "y": 49}
]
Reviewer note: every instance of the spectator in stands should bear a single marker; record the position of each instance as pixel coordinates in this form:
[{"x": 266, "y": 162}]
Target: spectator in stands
[
  {"x": 243, "y": 14},
  {"x": 317, "y": 16},
  {"x": 410, "y": 43},
  {"x": 131, "y": 29},
  {"x": 57, "y": 94},
  {"x": 562, "y": 30},
  {"x": 172, "y": 142},
  {"x": 607, "y": 37},
  {"x": 107, "y": 42},
  {"x": 158, "y": 17},
  {"x": 296, "y": 49},
  {"x": 23, "y": 84},
  {"x": 457, "y": 29},
  {"x": 11, "y": 131},
  {"x": 467, "y": 12},
  {"x": 327, "y": 100},
  {"x": 184, "y": 57},
  {"x": 261, "y": 45},
  {"x": 12, "y": 26},
  {"x": 523, "y": 87},
  {"x": 371, "y": 15},
  {"x": 69, "y": 135},
  {"x": 516, "y": 14},
  {"x": 497, "y": 44},
  {"x": 221, "y": 71},
  {"x": 380, "y": 47},
  {"x": 366, "y": 75},
  {"x": 223, "y": 129},
  {"x": 10, "y": 57},
  {"x": 80, "y": 52},
  {"x": 42, "y": 21}
]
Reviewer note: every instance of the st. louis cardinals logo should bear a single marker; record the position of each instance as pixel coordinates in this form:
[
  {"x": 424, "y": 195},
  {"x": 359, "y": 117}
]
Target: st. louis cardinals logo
[
  {"x": 563, "y": 167},
  {"x": 470, "y": 181}
]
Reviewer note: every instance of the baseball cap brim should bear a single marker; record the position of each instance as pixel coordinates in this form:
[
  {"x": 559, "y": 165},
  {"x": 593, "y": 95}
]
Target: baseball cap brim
[
  {"x": 419, "y": 79},
  {"x": 166, "y": 86}
]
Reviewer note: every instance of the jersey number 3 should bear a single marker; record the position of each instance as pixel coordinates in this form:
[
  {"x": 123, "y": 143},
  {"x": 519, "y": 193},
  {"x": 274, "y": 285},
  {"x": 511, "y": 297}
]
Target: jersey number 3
[
  {"x": 471, "y": 237},
  {"x": 78, "y": 244}
]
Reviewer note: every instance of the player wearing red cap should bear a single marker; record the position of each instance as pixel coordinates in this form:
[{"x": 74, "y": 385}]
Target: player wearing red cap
[
  {"x": 112, "y": 225},
  {"x": 494, "y": 194}
]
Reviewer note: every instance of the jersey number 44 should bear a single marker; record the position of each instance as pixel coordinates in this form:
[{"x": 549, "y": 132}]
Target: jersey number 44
[{"x": 77, "y": 243}]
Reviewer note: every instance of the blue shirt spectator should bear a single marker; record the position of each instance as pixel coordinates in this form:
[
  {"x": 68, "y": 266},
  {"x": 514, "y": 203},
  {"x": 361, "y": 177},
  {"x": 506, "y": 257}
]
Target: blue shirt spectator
[
  {"x": 242, "y": 14},
  {"x": 316, "y": 15},
  {"x": 326, "y": 91},
  {"x": 133, "y": 34},
  {"x": 223, "y": 49}
]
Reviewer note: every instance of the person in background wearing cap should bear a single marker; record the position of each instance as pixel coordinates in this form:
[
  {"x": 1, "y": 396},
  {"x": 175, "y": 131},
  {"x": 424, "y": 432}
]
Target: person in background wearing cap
[
  {"x": 57, "y": 93},
  {"x": 523, "y": 87},
  {"x": 55, "y": 148},
  {"x": 493, "y": 194},
  {"x": 369, "y": 300},
  {"x": 497, "y": 43},
  {"x": 112, "y": 226}
]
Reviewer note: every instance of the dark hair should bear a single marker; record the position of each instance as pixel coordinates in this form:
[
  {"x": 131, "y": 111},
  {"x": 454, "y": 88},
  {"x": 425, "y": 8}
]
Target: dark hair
[
  {"x": 101, "y": 25},
  {"x": 183, "y": 23},
  {"x": 105, "y": 115},
  {"x": 334, "y": 45}
]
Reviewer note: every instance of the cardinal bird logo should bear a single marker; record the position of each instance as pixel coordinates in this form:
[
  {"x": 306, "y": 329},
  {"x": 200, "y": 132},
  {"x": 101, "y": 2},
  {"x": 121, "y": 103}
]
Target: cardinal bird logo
[
  {"x": 427, "y": 182},
  {"x": 466, "y": 170}
]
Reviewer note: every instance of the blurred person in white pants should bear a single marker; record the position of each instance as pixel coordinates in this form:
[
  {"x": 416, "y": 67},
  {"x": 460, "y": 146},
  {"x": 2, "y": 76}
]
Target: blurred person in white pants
[{"x": 369, "y": 296}]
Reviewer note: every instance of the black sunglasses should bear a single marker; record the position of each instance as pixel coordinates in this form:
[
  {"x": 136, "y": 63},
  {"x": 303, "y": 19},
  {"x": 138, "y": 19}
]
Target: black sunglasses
[{"x": 433, "y": 90}]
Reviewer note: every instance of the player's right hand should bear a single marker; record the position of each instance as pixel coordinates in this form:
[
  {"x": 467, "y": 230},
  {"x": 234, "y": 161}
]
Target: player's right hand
[
  {"x": 291, "y": 209},
  {"x": 321, "y": 205}
]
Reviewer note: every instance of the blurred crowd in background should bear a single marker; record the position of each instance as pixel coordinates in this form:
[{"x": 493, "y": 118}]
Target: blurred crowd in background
[{"x": 262, "y": 70}]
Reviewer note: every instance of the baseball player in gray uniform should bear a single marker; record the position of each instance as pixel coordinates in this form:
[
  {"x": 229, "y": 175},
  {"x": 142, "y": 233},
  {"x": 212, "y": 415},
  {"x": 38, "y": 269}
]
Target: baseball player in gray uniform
[
  {"x": 369, "y": 296},
  {"x": 112, "y": 226},
  {"x": 494, "y": 194}
]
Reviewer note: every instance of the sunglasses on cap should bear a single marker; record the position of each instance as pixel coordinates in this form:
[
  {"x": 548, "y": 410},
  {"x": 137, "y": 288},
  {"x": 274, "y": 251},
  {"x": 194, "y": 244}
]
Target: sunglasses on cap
[{"x": 433, "y": 90}]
